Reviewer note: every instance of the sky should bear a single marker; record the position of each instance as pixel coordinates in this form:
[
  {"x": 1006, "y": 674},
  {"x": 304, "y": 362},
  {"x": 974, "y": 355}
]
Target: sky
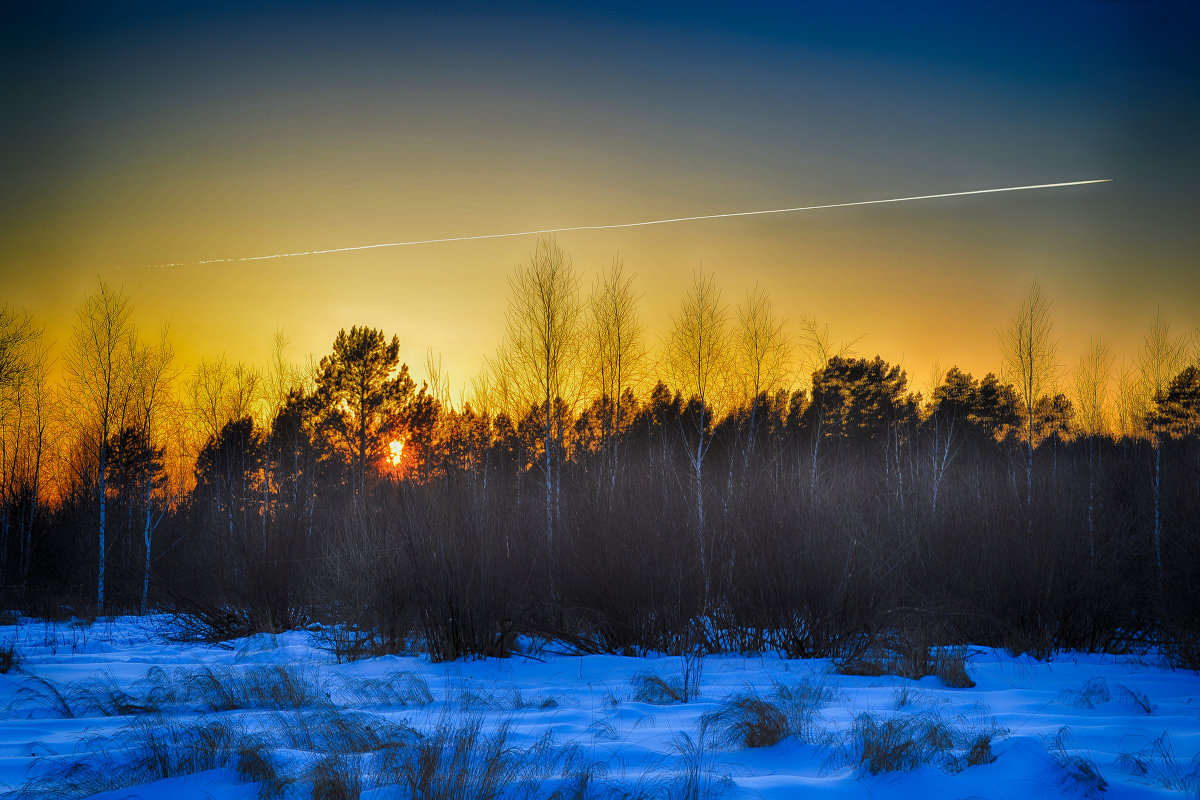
[{"x": 141, "y": 135}]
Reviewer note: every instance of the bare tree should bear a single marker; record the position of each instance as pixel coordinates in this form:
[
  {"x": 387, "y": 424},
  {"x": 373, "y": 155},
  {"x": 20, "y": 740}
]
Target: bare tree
[
  {"x": 154, "y": 373},
  {"x": 1161, "y": 358},
  {"x": 538, "y": 363},
  {"x": 616, "y": 352},
  {"x": 1125, "y": 407},
  {"x": 817, "y": 348},
  {"x": 1092, "y": 378},
  {"x": 17, "y": 332},
  {"x": 1029, "y": 354},
  {"x": 698, "y": 352},
  {"x": 40, "y": 402},
  {"x": 220, "y": 392},
  {"x": 763, "y": 352},
  {"x": 22, "y": 384},
  {"x": 97, "y": 374}
]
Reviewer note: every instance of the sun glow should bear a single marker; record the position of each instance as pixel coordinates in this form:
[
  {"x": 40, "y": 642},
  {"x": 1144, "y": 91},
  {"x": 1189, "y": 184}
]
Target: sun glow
[{"x": 395, "y": 452}]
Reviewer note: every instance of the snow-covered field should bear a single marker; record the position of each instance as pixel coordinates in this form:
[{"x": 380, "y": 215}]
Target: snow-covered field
[{"x": 112, "y": 707}]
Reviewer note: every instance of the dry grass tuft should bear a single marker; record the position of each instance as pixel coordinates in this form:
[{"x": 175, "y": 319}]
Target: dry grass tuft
[
  {"x": 1095, "y": 692},
  {"x": 1081, "y": 768},
  {"x": 336, "y": 777},
  {"x": 1157, "y": 765},
  {"x": 649, "y": 687},
  {"x": 747, "y": 719}
]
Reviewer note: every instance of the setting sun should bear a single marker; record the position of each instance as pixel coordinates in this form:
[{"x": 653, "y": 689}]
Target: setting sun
[{"x": 395, "y": 452}]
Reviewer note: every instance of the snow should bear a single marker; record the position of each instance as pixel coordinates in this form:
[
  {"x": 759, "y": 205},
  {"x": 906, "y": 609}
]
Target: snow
[{"x": 589, "y": 704}]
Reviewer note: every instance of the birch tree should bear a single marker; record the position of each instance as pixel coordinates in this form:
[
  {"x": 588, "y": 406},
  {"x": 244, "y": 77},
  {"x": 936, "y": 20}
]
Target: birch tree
[
  {"x": 538, "y": 363},
  {"x": 1029, "y": 353},
  {"x": 97, "y": 375},
  {"x": 698, "y": 352},
  {"x": 1161, "y": 358},
  {"x": 154, "y": 372},
  {"x": 763, "y": 351},
  {"x": 616, "y": 352}
]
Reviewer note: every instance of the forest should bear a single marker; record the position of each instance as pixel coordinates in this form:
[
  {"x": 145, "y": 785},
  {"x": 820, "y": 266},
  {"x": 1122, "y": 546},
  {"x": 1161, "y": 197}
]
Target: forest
[{"x": 741, "y": 484}]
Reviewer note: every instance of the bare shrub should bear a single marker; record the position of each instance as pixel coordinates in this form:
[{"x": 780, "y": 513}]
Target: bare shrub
[{"x": 1181, "y": 650}]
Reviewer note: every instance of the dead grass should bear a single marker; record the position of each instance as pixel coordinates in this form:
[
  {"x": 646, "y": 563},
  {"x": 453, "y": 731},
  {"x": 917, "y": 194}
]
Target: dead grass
[
  {"x": 876, "y": 744},
  {"x": 910, "y": 654},
  {"x": 37, "y": 693},
  {"x": 748, "y": 719},
  {"x": 650, "y": 687},
  {"x": 273, "y": 687},
  {"x": 751, "y": 719},
  {"x": 395, "y": 690},
  {"x": 1093, "y": 693},
  {"x": 150, "y": 748},
  {"x": 336, "y": 777},
  {"x": 1157, "y": 765},
  {"x": 1080, "y": 768}
]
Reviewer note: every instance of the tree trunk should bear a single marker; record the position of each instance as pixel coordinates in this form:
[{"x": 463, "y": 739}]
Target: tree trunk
[{"x": 100, "y": 560}]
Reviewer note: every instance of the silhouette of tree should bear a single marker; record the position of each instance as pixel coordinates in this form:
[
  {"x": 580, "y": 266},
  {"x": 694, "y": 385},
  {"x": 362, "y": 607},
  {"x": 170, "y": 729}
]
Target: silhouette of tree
[
  {"x": 860, "y": 399},
  {"x": 1054, "y": 418},
  {"x": 362, "y": 393},
  {"x": 225, "y": 472},
  {"x": 1176, "y": 410}
]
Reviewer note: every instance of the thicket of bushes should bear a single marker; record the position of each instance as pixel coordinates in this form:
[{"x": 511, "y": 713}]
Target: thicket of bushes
[{"x": 829, "y": 553}]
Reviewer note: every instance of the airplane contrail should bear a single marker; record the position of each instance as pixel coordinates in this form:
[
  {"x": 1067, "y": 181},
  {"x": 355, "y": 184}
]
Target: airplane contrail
[{"x": 643, "y": 223}]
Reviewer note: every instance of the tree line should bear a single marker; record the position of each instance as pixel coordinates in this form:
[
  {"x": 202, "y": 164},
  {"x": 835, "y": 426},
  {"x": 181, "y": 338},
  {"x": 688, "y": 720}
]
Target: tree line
[{"x": 608, "y": 491}]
